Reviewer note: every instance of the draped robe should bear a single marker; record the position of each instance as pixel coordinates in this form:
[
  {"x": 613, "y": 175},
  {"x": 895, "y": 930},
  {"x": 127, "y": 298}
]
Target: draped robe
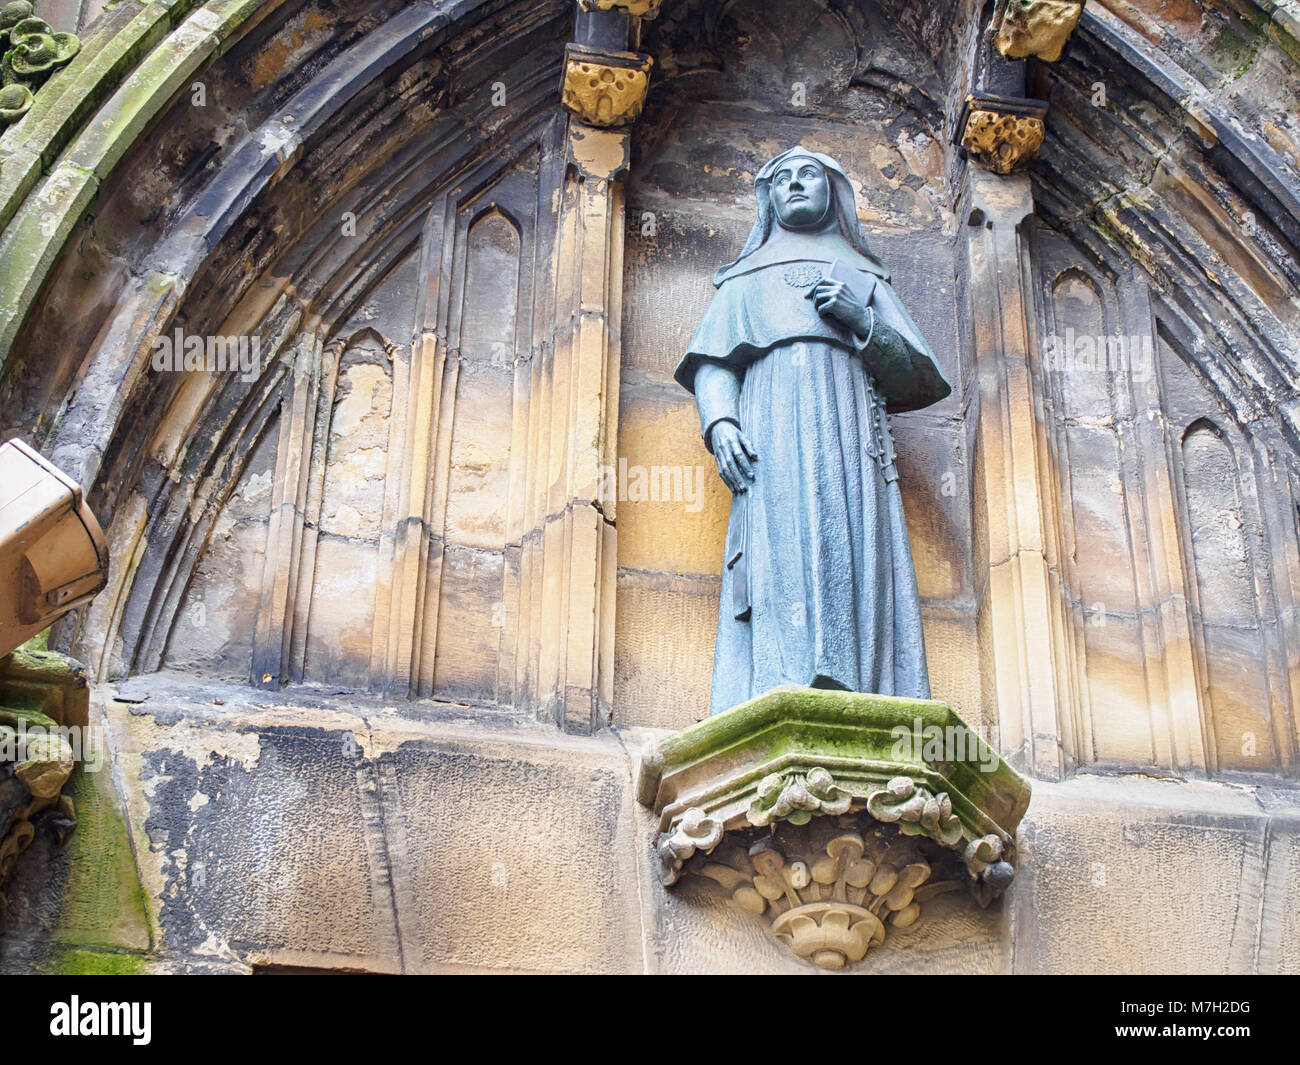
[{"x": 818, "y": 586}]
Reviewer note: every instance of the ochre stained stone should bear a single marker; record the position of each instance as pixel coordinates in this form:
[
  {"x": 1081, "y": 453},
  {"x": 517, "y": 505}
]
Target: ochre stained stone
[{"x": 1040, "y": 28}]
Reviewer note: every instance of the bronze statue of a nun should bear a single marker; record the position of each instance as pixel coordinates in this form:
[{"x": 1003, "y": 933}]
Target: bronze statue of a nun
[{"x": 803, "y": 351}]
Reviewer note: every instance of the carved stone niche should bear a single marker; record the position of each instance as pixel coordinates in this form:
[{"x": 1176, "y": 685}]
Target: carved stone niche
[
  {"x": 834, "y": 815},
  {"x": 605, "y": 88},
  {"x": 1039, "y": 28}
]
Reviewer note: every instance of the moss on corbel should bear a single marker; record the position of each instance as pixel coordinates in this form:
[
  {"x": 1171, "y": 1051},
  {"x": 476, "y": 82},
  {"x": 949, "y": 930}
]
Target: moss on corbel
[
  {"x": 25, "y": 717},
  {"x": 13, "y": 12}
]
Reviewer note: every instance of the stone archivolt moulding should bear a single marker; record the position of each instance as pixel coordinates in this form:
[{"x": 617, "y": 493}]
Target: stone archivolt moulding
[
  {"x": 834, "y": 813},
  {"x": 1039, "y": 28},
  {"x": 605, "y": 88}
]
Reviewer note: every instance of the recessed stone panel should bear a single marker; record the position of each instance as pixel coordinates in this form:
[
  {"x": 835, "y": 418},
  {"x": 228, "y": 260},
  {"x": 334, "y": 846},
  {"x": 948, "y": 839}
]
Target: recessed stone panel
[
  {"x": 665, "y": 628},
  {"x": 264, "y": 845},
  {"x": 514, "y": 859},
  {"x": 1120, "y": 878}
]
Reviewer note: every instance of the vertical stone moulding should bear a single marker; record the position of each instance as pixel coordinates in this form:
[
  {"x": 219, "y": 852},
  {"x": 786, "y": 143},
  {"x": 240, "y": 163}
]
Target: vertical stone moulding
[
  {"x": 1015, "y": 520},
  {"x": 602, "y": 92},
  {"x": 580, "y": 543}
]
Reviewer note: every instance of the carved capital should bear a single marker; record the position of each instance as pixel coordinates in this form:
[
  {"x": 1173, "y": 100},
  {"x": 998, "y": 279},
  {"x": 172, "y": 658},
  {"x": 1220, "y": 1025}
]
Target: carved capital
[
  {"x": 1039, "y": 28},
  {"x": 1002, "y": 135},
  {"x": 605, "y": 88}
]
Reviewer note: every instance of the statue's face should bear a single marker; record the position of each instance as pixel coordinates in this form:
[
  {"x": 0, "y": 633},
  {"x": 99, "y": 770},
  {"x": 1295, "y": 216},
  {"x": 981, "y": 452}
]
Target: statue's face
[{"x": 801, "y": 192}]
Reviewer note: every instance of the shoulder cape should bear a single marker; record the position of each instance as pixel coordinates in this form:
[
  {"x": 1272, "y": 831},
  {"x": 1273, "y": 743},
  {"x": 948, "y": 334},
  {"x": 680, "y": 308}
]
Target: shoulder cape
[{"x": 761, "y": 306}]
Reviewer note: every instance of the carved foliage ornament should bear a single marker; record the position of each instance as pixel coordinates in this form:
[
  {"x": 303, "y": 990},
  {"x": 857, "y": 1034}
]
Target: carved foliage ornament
[
  {"x": 696, "y": 831},
  {"x": 795, "y": 798},
  {"x": 44, "y": 704},
  {"x": 31, "y": 52},
  {"x": 916, "y": 811},
  {"x": 605, "y": 88},
  {"x": 799, "y": 799},
  {"x": 1039, "y": 28},
  {"x": 831, "y": 888}
]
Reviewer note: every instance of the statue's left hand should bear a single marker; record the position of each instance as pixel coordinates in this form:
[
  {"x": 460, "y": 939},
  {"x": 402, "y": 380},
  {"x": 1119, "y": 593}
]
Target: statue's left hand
[{"x": 834, "y": 299}]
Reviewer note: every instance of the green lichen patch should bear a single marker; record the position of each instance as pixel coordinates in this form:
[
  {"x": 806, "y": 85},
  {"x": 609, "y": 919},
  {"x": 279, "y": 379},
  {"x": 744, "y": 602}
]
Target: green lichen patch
[
  {"x": 104, "y": 903},
  {"x": 38, "y": 229},
  {"x": 74, "y": 961},
  {"x": 809, "y": 707},
  {"x": 35, "y": 239},
  {"x": 1284, "y": 31},
  {"x": 25, "y": 717}
]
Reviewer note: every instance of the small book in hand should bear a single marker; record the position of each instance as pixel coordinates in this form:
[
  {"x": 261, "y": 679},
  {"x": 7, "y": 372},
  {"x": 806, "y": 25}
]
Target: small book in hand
[{"x": 862, "y": 285}]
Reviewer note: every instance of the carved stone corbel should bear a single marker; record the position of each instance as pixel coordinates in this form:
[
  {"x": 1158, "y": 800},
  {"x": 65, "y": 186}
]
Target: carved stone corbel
[
  {"x": 44, "y": 698},
  {"x": 916, "y": 811},
  {"x": 834, "y": 814},
  {"x": 1038, "y": 28},
  {"x": 636, "y": 8},
  {"x": 604, "y": 89},
  {"x": 1001, "y": 134}
]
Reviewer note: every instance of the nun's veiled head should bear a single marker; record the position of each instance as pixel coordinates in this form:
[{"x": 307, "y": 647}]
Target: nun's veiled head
[
  {"x": 801, "y": 192},
  {"x": 824, "y": 202}
]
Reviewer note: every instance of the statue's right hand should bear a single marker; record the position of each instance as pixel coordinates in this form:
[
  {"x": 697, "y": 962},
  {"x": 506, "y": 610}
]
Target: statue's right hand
[{"x": 735, "y": 455}]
